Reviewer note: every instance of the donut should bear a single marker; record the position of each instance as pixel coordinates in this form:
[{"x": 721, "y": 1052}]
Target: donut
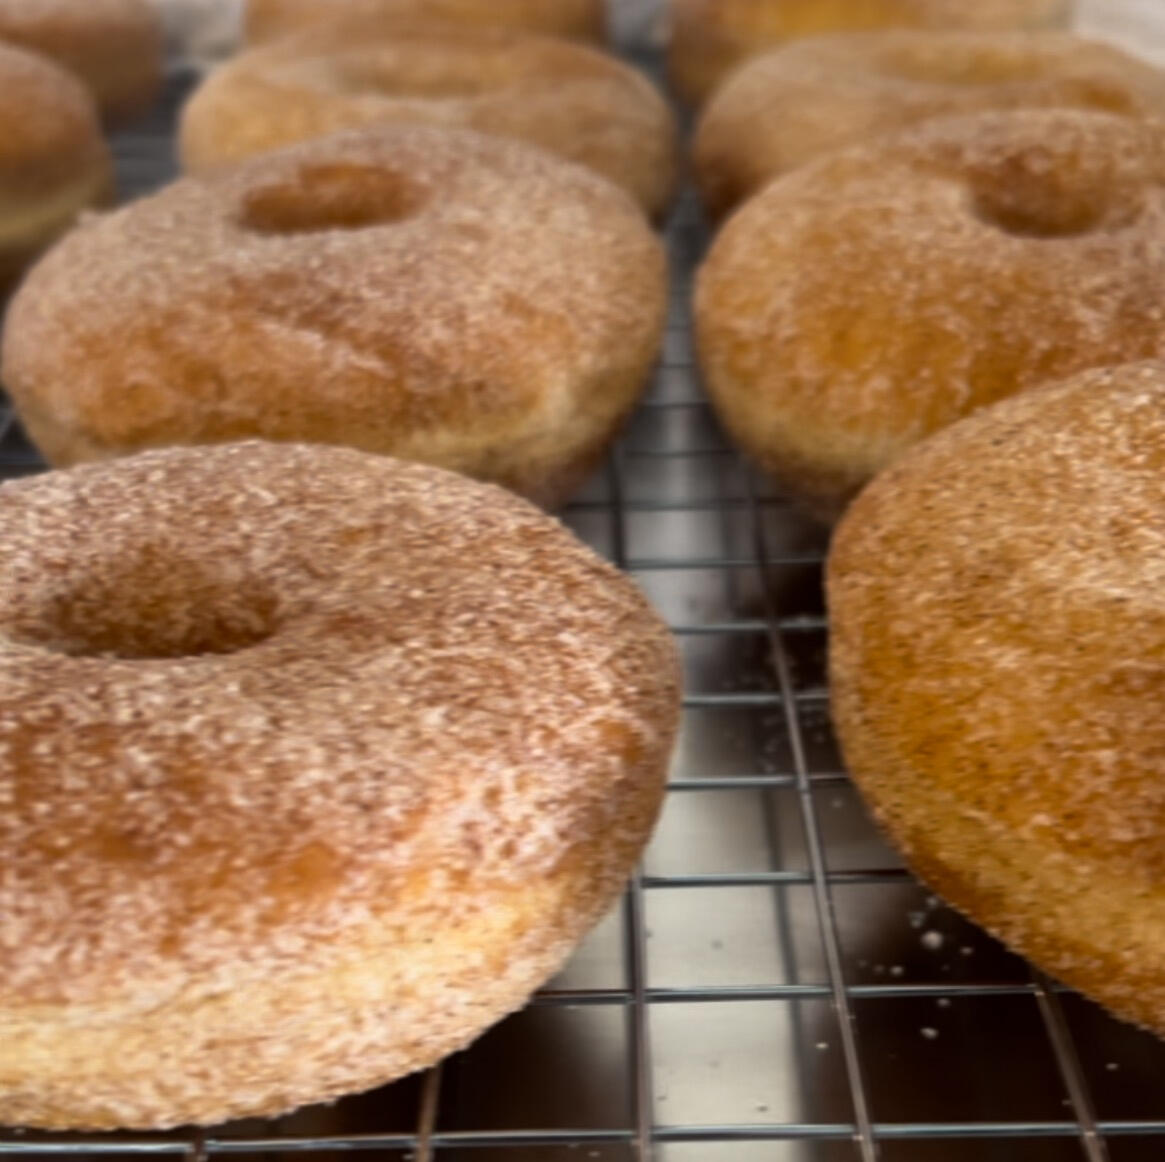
[
  {"x": 114, "y": 46},
  {"x": 781, "y": 110},
  {"x": 857, "y": 305},
  {"x": 997, "y": 600},
  {"x": 317, "y": 762},
  {"x": 53, "y": 158},
  {"x": 574, "y": 101},
  {"x": 710, "y": 38},
  {"x": 433, "y": 294},
  {"x": 574, "y": 19}
]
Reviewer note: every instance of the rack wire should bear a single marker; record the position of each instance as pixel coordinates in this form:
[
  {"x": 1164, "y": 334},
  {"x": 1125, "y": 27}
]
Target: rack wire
[{"x": 774, "y": 987}]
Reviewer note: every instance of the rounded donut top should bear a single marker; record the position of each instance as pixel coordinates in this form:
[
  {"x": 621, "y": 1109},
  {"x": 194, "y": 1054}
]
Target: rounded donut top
[
  {"x": 710, "y": 38},
  {"x": 253, "y": 695},
  {"x": 114, "y": 46},
  {"x": 579, "y": 103},
  {"x": 868, "y": 299},
  {"x": 814, "y": 96},
  {"x": 440, "y": 294},
  {"x": 575, "y": 19},
  {"x": 49, "y": 129}
]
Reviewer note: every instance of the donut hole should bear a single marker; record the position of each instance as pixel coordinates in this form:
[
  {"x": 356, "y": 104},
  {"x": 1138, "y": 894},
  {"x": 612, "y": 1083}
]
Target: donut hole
[
  {"x": 181, "y": 617},
  {"x": 1029, "y": 212},
  {"x": 330, "y": 196}
]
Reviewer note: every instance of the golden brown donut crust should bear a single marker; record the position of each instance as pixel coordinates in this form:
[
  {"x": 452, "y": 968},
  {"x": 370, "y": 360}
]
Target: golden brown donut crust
[
  {"x": 53, "y": 158},
  {"x": 860, "y": 303},
  {"x": 315, "y": 763},
  {"x": 817, "y": 95},
  {"x": 437, "y": 295},
  {"x": 997, "y": 602},
  {"x": 574, "y": 19},
  {"x": 114, "y": 46},
  {"x": 576, "y": 102},
  {"x": 710, "y": 38}
]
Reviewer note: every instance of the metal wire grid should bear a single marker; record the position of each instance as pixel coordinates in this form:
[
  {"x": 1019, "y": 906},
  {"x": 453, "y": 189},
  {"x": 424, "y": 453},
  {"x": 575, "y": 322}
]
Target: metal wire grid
[{"x": 774, "y": 986}]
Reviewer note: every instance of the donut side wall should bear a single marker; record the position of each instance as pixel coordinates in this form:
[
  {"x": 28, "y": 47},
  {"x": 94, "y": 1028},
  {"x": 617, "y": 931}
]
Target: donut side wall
[{"x": 985, "y": 593}]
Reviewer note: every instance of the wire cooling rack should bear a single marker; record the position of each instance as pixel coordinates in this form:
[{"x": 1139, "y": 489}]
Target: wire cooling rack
[{"x": 774, "y": 987}]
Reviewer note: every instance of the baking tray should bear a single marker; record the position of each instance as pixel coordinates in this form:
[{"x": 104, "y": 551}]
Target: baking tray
[{"x": 774, "y": 987}]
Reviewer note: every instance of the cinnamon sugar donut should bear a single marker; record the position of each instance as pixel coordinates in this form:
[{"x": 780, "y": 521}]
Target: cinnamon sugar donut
[
  {"x": 574, "y": 19},
  {"x": 997, "y": 602},
  {"x": 576, "y": 102},
  {"x": 860, "y": 303},
  {"x": 710, "y": 38},
  {"x": 114, "y": 46},
  {"x": 53, "y": 158},
  {"x": 317, "y": 764},
  {"x": 437, "y": 295},
  {"x": 813, "y": 96}
]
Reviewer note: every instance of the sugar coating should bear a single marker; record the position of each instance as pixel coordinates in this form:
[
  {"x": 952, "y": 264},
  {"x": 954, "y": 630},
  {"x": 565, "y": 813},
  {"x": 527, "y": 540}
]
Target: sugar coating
[
  {"x": 429, "y": 677},
  {"x": 433, "y": 294},
  {"x": 114, "y": 46},
  {"x": 710, "y": 38},
  {"x": 869, "y": 299},
  {"x": 53, "y": 158},
  {"x": 569, "y": 99},
  {"x": 998, "y": 673},
  {"x": 578, "y": 19},
  {"x": 51, "y": 133},
  {"x": 813, "y": 96}
]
